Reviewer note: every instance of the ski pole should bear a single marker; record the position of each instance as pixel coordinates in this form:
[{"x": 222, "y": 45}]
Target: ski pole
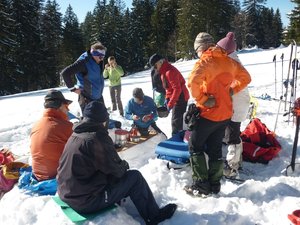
[
  {"x": 274, "y": 60},
  {"x": 277, "y": 113},
  {"x": 281, "y": 57}
]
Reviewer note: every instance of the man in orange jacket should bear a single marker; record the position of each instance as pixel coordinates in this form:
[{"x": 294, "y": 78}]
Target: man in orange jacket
[
  {"x": 212, "y": 82},
  {"x": 49, "y": 136}
]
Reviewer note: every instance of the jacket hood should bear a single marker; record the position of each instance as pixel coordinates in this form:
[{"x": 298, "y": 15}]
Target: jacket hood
[{"x": 87, "y": 125}]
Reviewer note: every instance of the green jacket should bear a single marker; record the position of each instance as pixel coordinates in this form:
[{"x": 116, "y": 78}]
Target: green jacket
[{"x": 114, "y": 75}]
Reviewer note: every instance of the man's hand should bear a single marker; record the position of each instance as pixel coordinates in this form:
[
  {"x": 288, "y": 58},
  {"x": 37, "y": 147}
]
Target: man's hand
[
  {"x": 135, "y": 117},
  {"x": 146, "y": 118}
]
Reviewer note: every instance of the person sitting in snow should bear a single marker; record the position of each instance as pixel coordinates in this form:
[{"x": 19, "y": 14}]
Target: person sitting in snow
[
  {"x": 177, "y": 95},
  {"x": 142, "y": 110},
  {"x": 49, "y": 136},
  {"x": 91, "y": 175},
  {"x": 213, "y": 80},
  {"x": 240, "y": 102}
]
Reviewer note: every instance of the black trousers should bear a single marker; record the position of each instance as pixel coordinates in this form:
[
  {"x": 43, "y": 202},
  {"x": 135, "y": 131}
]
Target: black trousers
[
  {"x": 83, "y": 101},
  {"x": 207, "y": 137},
  {"x": 115, "y": 95},
  {"x": 132, "y": 184},
  {"x": 234, "y": 132},
  {"x": 177, "y": 114}
]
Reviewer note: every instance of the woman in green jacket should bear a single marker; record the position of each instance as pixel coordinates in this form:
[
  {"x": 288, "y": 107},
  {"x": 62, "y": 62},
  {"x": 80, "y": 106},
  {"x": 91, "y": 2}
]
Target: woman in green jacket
[{"x": 114, "y": 72}]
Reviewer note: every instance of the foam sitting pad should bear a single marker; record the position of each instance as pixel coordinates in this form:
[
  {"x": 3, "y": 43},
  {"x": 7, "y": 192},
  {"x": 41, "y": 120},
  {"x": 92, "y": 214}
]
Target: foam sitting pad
[
  {"x": 74, "y": 216},
  {"x": 174, "y": 149}
]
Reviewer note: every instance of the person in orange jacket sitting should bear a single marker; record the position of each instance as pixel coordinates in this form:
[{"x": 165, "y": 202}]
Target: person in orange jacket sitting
[
  {"x": 212, "y": 82},
  {"x": 49, "y": 136}
]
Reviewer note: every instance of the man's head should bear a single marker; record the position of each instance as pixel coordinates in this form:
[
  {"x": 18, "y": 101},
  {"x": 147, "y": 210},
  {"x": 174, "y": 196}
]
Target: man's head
[
  {"x": 138, "y": 95},
  {"x": 202, "y": 42},
  {"x": 96, "y": 112},
  {"x": 55, "y": 99},
  {"x": 98, "y": 52},
  {"x": 228, "y": 43},
  {"x": 156, "y": 61}
]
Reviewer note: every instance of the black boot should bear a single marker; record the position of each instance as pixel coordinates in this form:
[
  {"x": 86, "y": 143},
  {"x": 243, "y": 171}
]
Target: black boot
[
  {"x": 164, "y": 213},
  {"x": 215, "y": 187},
  {"x": 198, "y": 188}
]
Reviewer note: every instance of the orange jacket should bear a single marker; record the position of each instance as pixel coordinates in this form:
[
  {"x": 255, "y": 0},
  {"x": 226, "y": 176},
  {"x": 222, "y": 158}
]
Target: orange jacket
[
  {"x": 48, "y": 138},
  {"x": 213, "y": 74}
]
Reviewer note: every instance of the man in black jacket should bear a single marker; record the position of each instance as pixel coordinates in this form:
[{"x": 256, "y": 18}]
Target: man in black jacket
[{"x": 91, "y": 176}]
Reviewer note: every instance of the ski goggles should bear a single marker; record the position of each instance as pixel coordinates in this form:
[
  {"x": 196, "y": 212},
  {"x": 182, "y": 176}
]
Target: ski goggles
[{"x": 98, "y": 52}]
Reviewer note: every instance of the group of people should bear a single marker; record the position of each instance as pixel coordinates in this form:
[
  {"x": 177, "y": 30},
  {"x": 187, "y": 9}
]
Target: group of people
[{"x": 89, "y": 172}]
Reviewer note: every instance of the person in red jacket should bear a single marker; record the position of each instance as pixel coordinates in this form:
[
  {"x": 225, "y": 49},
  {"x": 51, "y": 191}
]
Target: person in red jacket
[
  {"x": 49, "y": 136},
  {"x": 212, "y": 82},
  {"x": 177, "y": 94}
]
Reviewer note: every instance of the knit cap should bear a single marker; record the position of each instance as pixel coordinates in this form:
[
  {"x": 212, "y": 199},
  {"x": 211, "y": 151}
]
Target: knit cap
[
  {"x": 96, "y": 111},
  {"x": 203, "y": 41},
  {"x": 228, "y": 43}
]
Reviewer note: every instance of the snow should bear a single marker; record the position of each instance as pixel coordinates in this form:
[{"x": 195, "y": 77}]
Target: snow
[{"x": 267, "y": 196}]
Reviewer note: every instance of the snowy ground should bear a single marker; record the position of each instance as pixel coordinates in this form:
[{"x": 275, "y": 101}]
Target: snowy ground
[{"x": 267, "y": 197}]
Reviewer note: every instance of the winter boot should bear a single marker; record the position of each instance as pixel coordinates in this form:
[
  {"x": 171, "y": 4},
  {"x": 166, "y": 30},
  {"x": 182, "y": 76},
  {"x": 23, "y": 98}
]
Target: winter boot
[
  {"x": 215, "y": 187},
  {"x": 215, "y": 174},
  {"x": 164, "y": 213},
  {"x": 234, "y": 155},
  {"x": 200, "y": 176},
  {"x": 198, "y": 188}
]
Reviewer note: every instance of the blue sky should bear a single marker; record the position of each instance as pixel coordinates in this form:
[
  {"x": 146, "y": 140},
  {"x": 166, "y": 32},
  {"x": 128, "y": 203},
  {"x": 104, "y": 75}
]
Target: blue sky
[{"x": 81, "y": 7}]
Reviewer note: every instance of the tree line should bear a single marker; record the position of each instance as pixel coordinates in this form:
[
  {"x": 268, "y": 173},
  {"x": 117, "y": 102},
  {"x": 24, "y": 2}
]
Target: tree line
[{"x": 37, "y": 41}]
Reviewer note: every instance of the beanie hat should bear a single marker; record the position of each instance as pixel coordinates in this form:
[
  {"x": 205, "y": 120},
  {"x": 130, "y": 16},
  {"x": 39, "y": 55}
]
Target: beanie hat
[
  {"x": 96, "y": 111},
  {"x": 154, "y": 59},
  {"x": 54, "y": 99},
  {"x": 228, "y": 43},
  {"x": 138, "y": 93},
  {"x": 203, "y": 41}
]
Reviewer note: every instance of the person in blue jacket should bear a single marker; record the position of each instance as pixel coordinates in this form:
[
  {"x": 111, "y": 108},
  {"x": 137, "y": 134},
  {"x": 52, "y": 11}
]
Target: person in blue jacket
[
  {"x": 142, "y": 110},
  {"x": 88, "y": 71}
]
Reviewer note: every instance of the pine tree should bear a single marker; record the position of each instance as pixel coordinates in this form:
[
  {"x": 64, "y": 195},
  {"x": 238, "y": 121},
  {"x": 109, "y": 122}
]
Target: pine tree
[
  {"x": 72, "y": 44},
  {"x": 253, "y": 9},
  {"x": 87, "y": 30},
  {"x": 164, "y": 21},
  {"x": 26, "y": 15},
  {"x": 51, "y": 32},
  {"x": 8, "y": 68},
  {"x": 294, "y": 27}
]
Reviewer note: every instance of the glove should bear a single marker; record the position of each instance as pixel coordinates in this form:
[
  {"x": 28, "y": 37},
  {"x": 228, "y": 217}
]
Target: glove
[
  {"x": 210, "y": 102},
  {"x": 125, "y": 164},
  {"x": 192, "y": 115},
  {"x": 169, "y": 108}
]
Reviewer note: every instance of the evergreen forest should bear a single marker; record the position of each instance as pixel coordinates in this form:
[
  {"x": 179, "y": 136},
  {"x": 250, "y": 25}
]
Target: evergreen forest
[{"x": 37, "y": 41}]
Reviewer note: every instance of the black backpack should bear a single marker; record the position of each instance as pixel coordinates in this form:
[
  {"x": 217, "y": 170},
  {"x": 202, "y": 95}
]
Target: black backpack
[{"x": 156, "y": 82}]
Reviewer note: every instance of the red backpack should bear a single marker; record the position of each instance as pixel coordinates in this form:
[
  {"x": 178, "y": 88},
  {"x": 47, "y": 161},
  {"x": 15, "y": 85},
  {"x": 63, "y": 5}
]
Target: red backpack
[{"x": 259, "y": 143}]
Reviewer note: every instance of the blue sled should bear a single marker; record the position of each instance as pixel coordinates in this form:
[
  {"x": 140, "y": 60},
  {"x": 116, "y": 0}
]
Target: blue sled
[{"x": 174, "y": 149}]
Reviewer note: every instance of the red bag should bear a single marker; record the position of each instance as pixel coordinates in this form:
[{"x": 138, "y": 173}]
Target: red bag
[
  {"x": 6, "y": 156},
  {"x": 259, "y": 143}
]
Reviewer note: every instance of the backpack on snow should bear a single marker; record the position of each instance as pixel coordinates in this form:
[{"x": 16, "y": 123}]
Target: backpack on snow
[{"x": 259, "y": 143}]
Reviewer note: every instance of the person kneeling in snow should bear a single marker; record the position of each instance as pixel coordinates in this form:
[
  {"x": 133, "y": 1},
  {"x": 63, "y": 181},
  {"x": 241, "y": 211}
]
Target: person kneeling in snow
[
  {"x": 142, "y": 110},
  {"x": 91, "y": 176}
]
